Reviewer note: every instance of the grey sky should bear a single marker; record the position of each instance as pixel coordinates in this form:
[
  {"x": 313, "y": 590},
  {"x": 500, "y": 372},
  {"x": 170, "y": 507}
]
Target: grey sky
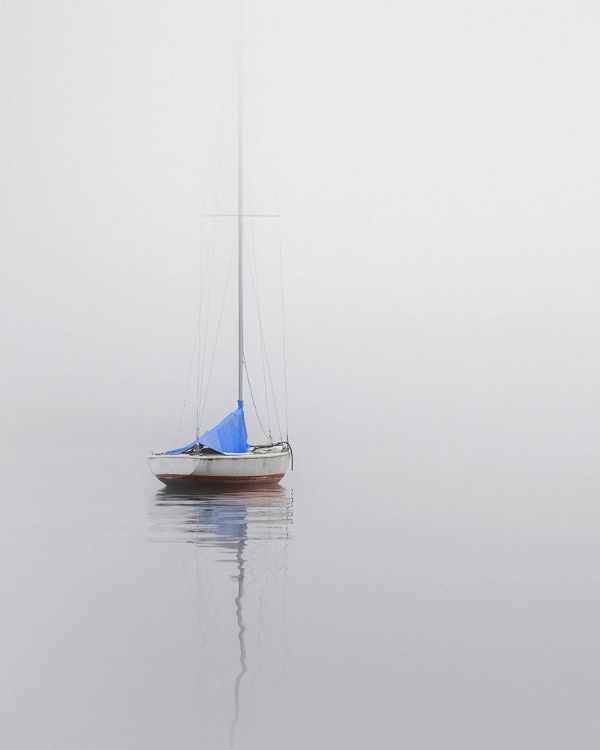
[{"x": 436, "y": 166}]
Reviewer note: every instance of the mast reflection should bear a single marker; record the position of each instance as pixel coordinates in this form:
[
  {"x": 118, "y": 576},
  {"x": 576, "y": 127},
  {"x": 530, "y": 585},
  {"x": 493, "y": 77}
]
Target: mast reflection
[{"x": 228, "y": 520}]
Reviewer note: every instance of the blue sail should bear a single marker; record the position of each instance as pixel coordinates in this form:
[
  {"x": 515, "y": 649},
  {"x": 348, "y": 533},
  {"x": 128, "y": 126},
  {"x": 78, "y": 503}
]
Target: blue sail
[{"x": 229, "y": 436}]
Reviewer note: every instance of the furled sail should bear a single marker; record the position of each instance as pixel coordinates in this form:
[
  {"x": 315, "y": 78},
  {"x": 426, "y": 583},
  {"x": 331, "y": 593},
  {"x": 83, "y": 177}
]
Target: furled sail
[{"x": 229, "y": 436}]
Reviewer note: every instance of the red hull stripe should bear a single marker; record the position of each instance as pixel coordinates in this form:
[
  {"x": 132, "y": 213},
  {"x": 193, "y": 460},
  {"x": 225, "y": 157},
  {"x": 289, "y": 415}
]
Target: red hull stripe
[{"x": 219, "y": 480}]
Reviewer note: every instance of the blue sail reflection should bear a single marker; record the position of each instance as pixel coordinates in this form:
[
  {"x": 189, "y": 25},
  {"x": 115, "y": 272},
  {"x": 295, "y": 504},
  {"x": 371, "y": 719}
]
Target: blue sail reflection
[{"x": 217, "y": 518}]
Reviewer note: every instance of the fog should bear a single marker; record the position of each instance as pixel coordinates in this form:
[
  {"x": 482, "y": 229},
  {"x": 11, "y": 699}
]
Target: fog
[{"x": 435, "y": 166}]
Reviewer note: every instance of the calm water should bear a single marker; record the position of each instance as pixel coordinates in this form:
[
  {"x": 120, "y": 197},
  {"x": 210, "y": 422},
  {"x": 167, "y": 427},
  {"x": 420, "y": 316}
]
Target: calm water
[{"x": 426, "y": 608}]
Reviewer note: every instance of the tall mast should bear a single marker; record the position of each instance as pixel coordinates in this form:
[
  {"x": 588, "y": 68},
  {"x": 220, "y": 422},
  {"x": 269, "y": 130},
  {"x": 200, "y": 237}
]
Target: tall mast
[{"x": 240, "y": 220}]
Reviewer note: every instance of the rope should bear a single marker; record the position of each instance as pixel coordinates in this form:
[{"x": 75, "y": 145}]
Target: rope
[
  {"x": 208, "y": 275},
  {"x": 281, "y": 285},
  {"x": 264, "y": 346},
  {"x": 187, "y": 388},
  {"x": 254, "y": 403},
  {"x": 205, "y": 272},
  {"x": 212, "y": 361},
  {"x": 257, "y": 300}
]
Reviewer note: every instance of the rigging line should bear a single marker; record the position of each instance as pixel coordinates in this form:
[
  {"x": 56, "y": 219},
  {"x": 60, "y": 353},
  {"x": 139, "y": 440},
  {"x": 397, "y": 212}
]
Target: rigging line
[
  {"x": 265, "y": 353},
  {"x": 264, "y": 350},
  {"x": 212, "y": 362},
  {"x": 254, "y": 403},
  {"x": 207, "y": 282},
  {"x": 203, "y": 345},
  {"x": 187, "y": 388},
  {"x": 270, "y": 380},
  {"x": 204, "y": 273},
  {"x": 257, "y": 300},
  {"x": 283, "y": 329},
  {"x": 196, "y": 348},
  {"x": 276, "y": 198},
  {"x": 214, "y": 171},
  {"x": 281, "y": 285}
]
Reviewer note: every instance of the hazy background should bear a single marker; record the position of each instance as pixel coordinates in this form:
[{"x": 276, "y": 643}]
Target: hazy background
[
  {"x": 437, "y": 172},
  {"x": 436, "y": 167}
]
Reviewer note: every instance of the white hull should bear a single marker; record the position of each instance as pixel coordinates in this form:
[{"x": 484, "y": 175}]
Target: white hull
[{"x": 259, "y": 466}]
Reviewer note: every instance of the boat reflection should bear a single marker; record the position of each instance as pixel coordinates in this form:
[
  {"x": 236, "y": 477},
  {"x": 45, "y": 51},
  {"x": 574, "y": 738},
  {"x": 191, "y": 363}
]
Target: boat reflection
[
  {"x": 229, "y": 520},
  {"x": 223, "y": 518}
]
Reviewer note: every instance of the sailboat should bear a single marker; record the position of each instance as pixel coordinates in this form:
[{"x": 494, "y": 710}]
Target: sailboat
[{"x": 223, "y": 455}]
